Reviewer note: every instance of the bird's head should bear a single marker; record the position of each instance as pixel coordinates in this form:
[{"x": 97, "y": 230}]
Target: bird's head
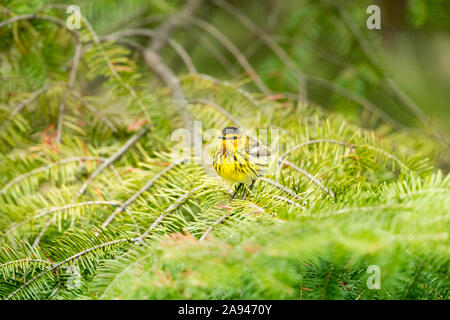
[{"x": 231, "y": 136}]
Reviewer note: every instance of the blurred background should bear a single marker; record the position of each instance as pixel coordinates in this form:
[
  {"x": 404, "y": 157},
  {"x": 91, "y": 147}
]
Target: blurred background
[{"x": 320, "y": 52}]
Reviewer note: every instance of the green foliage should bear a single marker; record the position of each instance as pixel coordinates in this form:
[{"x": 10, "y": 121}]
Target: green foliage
[{"x": 345, "y": 192}]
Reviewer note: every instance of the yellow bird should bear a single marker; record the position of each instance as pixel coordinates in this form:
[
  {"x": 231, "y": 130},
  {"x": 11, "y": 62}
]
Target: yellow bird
[{"x": 238, "y": 159}]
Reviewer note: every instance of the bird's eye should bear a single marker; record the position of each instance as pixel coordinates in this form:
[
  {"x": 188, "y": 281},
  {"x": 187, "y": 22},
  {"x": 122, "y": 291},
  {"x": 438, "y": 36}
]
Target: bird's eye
[{"x": 234, "y": 138}]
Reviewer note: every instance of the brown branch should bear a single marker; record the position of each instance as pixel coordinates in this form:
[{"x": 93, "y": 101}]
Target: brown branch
[
  {"x": 118, "y": 37},
  {"x": 73, "y": 74}
]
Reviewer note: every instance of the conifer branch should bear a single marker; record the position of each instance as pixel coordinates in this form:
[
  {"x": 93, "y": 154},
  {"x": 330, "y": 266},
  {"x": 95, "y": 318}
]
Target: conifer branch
[
  {"x": 118, "y": 154},
  {"x": 144, "y": 188},
  {"x": 342, "y": 143},
  {"x": 178, "y": 202},
  {"x": 308, "y": 175},
  {"x": 25, "y": 260},
  {"x": 45, "y": 168},
  {"x": 59, "y": 264},
  {"x": 23, "y": 104}
]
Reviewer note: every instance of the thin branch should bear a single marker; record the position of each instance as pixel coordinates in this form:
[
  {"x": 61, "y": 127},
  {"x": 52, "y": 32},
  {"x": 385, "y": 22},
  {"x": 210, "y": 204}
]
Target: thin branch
[
  {"x": 41, "y": 234},
  {"x": 281, "y": 53},
  {"x": 272, "y": 44},
  {"x": 164, "y": 32},
  {"x": 288, "y": 201},
  {"x": 47, "y": 167},
  {"x": 43, "y": 212},
  {"x": 155, "y": 63},
  {"x": 235, "y": 121},
  {"x": 51, "y": 19},
  {"x": 213, "y": 225},
  {"x": 22, "y": 105},
  {"x": 225, "y": 83},
  {"x": 101, "y": 116},
  {"x": 281, "y": 187},
  {"x": 308, "y": 175},
  {"x": 235, "y": 51},
  {"x": 171, "y": 208},
  {"x": 117, "y": 36},
  {"x": 284, "y": 155},
  {"x": 25, "y": 260},
  {"x": 119, "y": 153},
  {"x": 133, "y": 198},
  {"x": 73, "y": 74},
  {"x": 57, "y": 265}
]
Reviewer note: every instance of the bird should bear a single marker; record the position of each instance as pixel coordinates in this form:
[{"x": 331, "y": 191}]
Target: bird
[{"x": 238, "y": 159}]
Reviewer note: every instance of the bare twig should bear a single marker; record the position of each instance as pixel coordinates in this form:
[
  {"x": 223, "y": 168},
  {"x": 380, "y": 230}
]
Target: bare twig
[
  {"x": 281, "y": 53},
  {"x": 119, "y": 153},
  {"x": 235, "y": 121},
  {"x": 118, "y": 36},
  {"x": 73, "y": 74},
  {"x": 133, "y": 198},
  {"x": 234, "y": 50},
  {"x": 164, "y": 32}
]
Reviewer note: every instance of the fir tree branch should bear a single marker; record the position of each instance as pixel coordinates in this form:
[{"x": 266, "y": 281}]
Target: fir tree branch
[
  {"x": 284, "y": 155},
  {"x": 208, "y": 231},
  {"x": 23, "y": 104},
  {"x": 308, "y": 175},
  {"x": 43, "y": 212},
  {"x": 25, "y": 260},
  {"x": 144, "y": 188},
  {"x": 178, "y": 202},
  {"x": 59, "y": 264},
  {"x": 47, "y": 167},
  {"x": 119, "y": 153}
]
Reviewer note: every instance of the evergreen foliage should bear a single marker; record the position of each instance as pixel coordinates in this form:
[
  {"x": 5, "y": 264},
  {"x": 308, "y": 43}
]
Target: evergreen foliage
[{"x": 94, "y": 206}]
